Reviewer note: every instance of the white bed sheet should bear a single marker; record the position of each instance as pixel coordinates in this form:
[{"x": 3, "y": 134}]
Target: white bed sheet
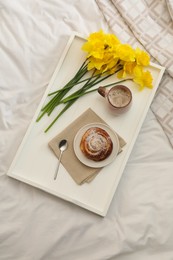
[{"x": 36, "y": 225}]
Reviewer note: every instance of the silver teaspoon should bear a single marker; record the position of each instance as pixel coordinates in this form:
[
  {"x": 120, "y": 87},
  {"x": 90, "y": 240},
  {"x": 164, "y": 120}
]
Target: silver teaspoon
[{"x": 62, "y": 146}]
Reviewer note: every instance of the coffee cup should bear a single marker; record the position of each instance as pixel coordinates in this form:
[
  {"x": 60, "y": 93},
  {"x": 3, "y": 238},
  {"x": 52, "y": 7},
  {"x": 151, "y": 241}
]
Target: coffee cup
[{"x": 118, "y": 97}]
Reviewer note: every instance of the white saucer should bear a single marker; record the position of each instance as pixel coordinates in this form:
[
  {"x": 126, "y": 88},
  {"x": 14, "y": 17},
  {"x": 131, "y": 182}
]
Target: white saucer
[{"x": 83, "y": 158}]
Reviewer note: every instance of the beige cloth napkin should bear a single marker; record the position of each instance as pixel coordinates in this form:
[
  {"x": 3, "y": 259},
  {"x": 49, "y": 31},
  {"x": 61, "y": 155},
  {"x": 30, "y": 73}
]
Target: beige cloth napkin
[{"x": 78, "y": 171}]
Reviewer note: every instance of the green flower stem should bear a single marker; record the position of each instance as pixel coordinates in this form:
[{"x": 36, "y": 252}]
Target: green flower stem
[
  {"x": 79, "y": 82},
  {"x": 69, "y": 104},
  {"x": 62, "y": 111},
  {"x": 66, "y": 88},
  {"x": 60, "y": 95},
  {"x": 69, "y": 87},
  {"x": 85, "y": 88},
  {"x": 75, "y": 96},
  {"x": 49, "y": 107}
]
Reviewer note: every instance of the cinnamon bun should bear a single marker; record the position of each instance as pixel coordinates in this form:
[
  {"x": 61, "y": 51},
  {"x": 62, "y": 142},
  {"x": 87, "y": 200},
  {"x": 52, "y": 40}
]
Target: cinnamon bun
[{"x": 96, "y": 144}]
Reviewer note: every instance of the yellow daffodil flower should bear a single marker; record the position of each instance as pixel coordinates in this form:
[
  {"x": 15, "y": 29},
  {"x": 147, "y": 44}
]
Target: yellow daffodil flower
[
  {"x": 142, "y": 58},
  {"x": 126, "y": 52},
  {"x": 127, "y": 70},
  {"x": 107, "y": 54},
  {"x": 142, "y": 78},
  {"x": 101, "y": 50}
]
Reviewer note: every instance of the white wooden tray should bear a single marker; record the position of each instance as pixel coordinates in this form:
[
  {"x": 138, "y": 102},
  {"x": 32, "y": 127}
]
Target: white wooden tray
[{"x": 35, "y": 164}]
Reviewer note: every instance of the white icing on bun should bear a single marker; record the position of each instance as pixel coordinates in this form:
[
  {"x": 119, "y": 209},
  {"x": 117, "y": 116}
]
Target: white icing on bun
[{"x": 96, "y": 144}]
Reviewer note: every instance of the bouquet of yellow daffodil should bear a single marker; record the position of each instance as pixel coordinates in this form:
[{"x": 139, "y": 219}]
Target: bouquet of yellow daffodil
[{"x": 106, "y": 56}]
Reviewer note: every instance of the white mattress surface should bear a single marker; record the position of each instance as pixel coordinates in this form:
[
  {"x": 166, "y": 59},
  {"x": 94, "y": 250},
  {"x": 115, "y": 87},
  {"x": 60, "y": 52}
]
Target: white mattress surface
[{"x": 35, "y": 225}]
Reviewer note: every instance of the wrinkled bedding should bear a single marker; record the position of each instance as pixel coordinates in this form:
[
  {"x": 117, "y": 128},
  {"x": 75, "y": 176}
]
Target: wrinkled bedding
[{"x": 37, "y": 225}]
